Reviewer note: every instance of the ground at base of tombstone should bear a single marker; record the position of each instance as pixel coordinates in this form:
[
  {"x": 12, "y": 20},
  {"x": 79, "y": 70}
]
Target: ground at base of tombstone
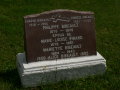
[{"x": 45, "y": 72}]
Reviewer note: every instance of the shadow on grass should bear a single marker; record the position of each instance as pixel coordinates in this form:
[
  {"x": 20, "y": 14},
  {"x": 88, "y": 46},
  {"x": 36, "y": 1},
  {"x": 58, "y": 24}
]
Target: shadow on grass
[{"x": 11, "y": 77}]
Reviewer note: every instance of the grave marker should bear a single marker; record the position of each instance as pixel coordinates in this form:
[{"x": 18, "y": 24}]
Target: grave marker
[
  {"x": 59, "y": 45},
  {"x": 59, "y": 34}
]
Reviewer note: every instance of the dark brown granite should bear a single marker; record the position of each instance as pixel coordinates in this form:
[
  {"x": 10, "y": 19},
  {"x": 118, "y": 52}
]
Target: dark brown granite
[{"x": 57, "y": 34}]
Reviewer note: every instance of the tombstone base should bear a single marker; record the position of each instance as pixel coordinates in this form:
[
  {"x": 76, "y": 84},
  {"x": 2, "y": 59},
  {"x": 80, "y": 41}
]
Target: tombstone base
[{"x": 43, "y": 72}]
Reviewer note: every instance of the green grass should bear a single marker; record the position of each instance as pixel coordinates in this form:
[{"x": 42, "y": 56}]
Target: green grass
[{"x": 107, "y": 14}]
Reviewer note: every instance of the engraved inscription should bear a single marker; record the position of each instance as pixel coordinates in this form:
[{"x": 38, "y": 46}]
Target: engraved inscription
[{"x": 59, "y": 35}]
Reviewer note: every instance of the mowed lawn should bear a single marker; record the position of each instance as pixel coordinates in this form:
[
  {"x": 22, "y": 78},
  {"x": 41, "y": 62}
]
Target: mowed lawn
[{"x": 107, "y": 14}]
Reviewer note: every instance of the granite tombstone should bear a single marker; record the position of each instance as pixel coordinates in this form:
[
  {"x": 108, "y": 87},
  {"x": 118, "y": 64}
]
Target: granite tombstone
[
  {"x": 59, "y": 45},
  {"x": 59, "y": 34}
]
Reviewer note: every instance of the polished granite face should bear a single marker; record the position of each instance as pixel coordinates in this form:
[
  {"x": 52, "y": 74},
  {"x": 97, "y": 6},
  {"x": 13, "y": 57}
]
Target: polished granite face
[{"x": 58, "y": 34}]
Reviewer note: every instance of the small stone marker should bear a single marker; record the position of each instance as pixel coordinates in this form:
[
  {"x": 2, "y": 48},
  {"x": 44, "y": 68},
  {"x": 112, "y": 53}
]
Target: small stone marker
[
  {"x": 59, "y": 34},
  {"x": 59, "y": 45}
]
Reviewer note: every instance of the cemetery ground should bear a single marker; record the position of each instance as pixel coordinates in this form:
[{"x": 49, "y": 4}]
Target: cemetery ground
[{"x": 107, "y": 39}]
